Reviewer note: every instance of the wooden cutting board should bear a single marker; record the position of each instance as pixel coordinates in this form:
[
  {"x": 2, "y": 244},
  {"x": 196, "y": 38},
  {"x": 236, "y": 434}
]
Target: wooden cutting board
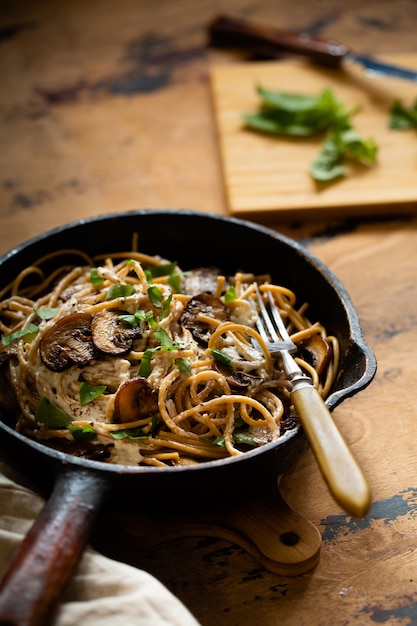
[{"x": 268, "y": 176}]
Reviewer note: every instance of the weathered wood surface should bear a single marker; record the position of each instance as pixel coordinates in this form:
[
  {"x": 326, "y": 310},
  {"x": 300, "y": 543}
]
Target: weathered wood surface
[{"x": 105, "y": 106}]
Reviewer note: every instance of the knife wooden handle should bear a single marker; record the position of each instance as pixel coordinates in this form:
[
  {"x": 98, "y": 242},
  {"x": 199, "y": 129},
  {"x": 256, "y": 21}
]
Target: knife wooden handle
[
  {"x": 345, "y": 479},
  {"x": 232, "y": 32}
]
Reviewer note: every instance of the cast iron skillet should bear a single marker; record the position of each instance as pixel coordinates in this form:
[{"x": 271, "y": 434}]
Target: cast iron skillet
[{"x": 43, "y": 565}]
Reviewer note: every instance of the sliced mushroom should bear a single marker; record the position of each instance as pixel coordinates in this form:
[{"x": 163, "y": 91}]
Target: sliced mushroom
[
  {"x": 111, "y": 335},
  {"x": 200, "y": 280},
  {"x": 237, "y": 380},
  {"x": 68, "y": 343},
  {"x": 316, "y": 351},
  {"x": 134, "y": 400},
  {"x": 210, "y": 306}
]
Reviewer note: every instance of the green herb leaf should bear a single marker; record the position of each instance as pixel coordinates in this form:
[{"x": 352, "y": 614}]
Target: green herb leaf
[
  {"x": 244, "y": 438},
  {"x": 300, "y": 115},
  {"x": 132, "y": 320},
  {"x": 338, "y": 147},
  {"x": 327, "y": 165},
  {"x": 88, "y": 392},
  {"x": 129, "y": 433},
  {"x": 86, "y": 433},
  {"x": 155, "y": 296},
  {"x": 165, "y": 307},
  {"x": 184, "y": 365},
  {"x": 135, "y": 319},
  {"x": 28, "y": 332},
  {"x": 120, "y": 291},
  {"x": 45, "y": 313},
  {"x": 230, "y": 295},
  {"x": 164, "y": 339},
  {"x": 174, "y": 281},
  {"x": 51, "y": 415},
  {"x": 290, "y": 102},
  {"x": 95, "y": 277},
  {"x": 401, "y": 117},
  {"x": 145, "y": 364},
  {"x": 161, "y": 270},
  {"x": 221, "y": 357}
]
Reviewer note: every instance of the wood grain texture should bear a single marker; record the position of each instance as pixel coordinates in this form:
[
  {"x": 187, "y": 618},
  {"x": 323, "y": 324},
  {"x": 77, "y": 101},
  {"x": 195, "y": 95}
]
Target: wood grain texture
[
  {"x": 269, "y": 175},
  {"x": 72, "y": 150}
]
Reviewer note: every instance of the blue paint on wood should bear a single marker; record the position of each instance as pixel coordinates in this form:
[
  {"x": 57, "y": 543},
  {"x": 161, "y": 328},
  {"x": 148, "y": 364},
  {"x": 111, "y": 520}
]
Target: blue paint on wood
[{"x": 387, "y": 510}]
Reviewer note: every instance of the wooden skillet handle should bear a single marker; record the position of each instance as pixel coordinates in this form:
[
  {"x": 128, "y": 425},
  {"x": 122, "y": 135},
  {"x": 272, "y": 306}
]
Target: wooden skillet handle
[{"x": 36, "y": 577}]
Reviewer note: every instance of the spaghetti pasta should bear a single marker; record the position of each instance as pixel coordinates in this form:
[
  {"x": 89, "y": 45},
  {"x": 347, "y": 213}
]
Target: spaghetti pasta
[{"x": 128, "y": 359}]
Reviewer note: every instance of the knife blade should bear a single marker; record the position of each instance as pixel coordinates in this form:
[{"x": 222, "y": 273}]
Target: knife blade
[{"x": 271, "y": 42}]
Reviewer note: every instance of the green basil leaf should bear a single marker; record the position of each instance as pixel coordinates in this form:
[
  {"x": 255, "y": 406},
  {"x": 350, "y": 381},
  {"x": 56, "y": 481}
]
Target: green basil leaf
[
  {"x": 184, "y": 365},
  {"x": 88, "y": 392},
  {"x": 401, "y": 117},
  {"x": 174, "y": 281},
  {"x": 164, "y": 339},
  {"x": 86, "y": 433},
  {"x": 132, "y": 320},
  {"x": 28, "y": 332},
  {"x": 292, "y": 102},
  {"x": 145, "y": 364},
  {"x": 51, "y": 415},
  {"x": 161, "y": 270},
  {"x": 155, "y": 296},
  {"x": 165, "y": 307},
  {"x": 95, "y": 277},
  {"x": 327, "y": 165},
  {"x": 244, "y": 438},
  {"x": 221, "y": 357},
  {"x": 230, "y": 294},
  {"x": 45, "y": 313},
  {"x": 354, "y": 146},
  {"x": 300, "y": 115},
  {"x": 129, "y": 433},
  {"x": 120, "y": 291}
]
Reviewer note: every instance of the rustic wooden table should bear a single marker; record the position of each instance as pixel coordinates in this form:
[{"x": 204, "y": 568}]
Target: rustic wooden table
[{"x": 105, "y": 106}]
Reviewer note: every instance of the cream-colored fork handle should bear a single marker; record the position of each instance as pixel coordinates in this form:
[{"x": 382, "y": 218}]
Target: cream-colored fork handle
[{"x": 340, "y": 470}]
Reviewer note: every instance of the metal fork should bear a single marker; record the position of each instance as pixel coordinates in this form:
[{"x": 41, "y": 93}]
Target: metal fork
[{"x": 339, "y": 468}]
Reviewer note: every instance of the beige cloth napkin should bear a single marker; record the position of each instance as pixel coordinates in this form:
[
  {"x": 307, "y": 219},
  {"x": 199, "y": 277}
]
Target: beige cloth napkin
[{"x": 102, "y": 592}]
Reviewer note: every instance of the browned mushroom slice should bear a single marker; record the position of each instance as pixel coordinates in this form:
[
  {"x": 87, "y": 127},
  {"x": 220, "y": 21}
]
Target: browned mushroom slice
[
  {"x": 208, "y": 305},
  {"x": 316, "y": 351},
  {"x": 111, "y": 335},
  {"x": 134, "y": 400},
  {"x": 238, "y": 381},
  {"x": 68, "y": 343},
  {"x": 200, "y": 280}
]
